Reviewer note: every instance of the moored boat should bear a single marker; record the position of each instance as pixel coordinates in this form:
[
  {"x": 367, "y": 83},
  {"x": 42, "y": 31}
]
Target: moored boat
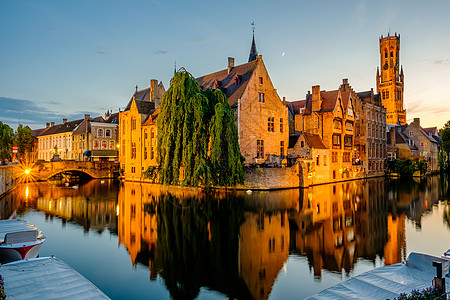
[
  {"x": 19, "y": 239},
  {"x": 446, "y": 254}
]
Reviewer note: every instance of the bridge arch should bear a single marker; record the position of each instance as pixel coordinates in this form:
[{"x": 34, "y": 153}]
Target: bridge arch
[{"x": 70, "y": 170}]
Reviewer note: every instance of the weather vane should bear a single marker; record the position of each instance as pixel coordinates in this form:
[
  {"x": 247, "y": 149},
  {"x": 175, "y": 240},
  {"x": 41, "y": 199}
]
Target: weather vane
[{"x": 253, "y": 26}]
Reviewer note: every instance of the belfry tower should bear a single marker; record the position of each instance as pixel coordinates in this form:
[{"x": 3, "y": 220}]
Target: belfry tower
[{"x": 390, "y": 84}]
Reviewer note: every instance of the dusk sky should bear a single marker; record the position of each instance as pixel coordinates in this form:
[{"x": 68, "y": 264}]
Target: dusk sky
[{"x": 63, "y": 59}]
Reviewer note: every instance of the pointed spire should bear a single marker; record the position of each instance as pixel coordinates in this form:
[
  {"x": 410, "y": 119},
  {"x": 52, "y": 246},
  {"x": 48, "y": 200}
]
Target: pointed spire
[
  {"x": 378, "y": 72},
  {"x": 253, "y": 53}
]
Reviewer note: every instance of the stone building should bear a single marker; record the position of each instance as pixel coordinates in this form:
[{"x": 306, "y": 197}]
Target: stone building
[
  {"x": 97, "y": 138},
  {"x": 260, "y": 115},
  {"x": 331, "y": 116},
  {"x": 137, "y": 136},
  {"x": 56, "y": 139},
  {"x": 390, "y": 83},
  {"x": 370, "y": 138}
]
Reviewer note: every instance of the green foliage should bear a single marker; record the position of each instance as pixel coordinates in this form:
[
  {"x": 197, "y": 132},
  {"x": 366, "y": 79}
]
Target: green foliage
[
  {"x": 6, "y": 141},
  {"x": 445, "y": 137},
  {"x": 151, "y": 173},
  {"x": 407, "y": 167},
  {"x": 24, "y": 140},
  {"x": 184, "y": 123}
]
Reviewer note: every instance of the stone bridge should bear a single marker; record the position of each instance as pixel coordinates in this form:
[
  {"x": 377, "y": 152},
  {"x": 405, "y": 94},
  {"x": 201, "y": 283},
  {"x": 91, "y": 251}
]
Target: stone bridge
[{"x": 45, "y": 170}]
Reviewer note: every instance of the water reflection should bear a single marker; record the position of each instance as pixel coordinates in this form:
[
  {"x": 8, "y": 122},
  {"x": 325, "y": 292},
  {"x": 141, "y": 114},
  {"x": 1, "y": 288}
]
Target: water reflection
[{"x": 237, "y": 244}]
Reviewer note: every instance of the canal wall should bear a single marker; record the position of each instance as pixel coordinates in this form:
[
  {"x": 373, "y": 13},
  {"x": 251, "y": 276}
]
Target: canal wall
[
  {"x": 274, "y": 178},
  {"x": 8, "y": 178}
]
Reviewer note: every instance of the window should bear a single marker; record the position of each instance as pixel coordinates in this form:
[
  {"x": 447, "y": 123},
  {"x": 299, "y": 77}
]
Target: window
[
  {"x": 100, "y": 132},
  {"x": 337, "y": 124},
  {"x": 349, "y": 126},
  {"x": 346, "y": 157},
  {"x": 133, "y": 150},
  {"x": 104, "y": 144},
  {"x": 111, "y": 145},
  {"x": 336, "y": 140},
  {"x": 152, "y": 153},
  {"x": 282, "y": 148},
  {"x": 334, "y": 157},
  {"x": 261, "y": 97},
  {"x": 317, "y": 160},
  {"x": 392, "y": 54},
  {"x": 260, "y": 149},
  {"x": 302, "y": 144},
  {"x": 133, "y": 169},
  {"x": 423, "y": 144},
  {"x": 348, "y": 141},
  {"x": 145, "y": 134},
  {"x": 133, "y": 123},
  {"x": 385, "y": 54},
  {"x": 145, "y": 152},
  {"x": 281, "y": 124},
  {"x": 260, "y": 80},
  {"x": 411, "y": 133},
  {"x": 237, "y": 80},
  {"x": 108, "y": 133},
  {"x": 387, "y": 94},
  {"x": 96, "y": 144},
  {"x": 152, "y": 135},
  {"x": 271, "y": 124}
]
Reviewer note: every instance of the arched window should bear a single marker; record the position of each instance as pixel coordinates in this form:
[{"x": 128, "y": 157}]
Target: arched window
[
  {"x": 108, "y": 133},
  {"x": 100, "y": 132},
  {"x": 111, "y": 144},
  {"x": 95, "y": 144},
  {"x": 104, "y": 144}
]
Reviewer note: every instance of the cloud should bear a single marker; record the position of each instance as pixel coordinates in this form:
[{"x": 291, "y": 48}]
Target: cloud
[
  {"x": 160, "y": 52},
  {"x": 441, "y": 62},
  {"x": 100, "y": 52},
  {"x": 425, "y": 109},
  {"x": 29, "y": 113}
]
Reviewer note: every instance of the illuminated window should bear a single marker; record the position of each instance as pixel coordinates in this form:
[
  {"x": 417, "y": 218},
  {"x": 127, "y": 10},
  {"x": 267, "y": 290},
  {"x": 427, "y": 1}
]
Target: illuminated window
[
  {"x": 104, "y": 144},
  {"x": 111, "y": 145},
  {"x": 336, "y": 140},
  {"x": 96, "y": 144}
]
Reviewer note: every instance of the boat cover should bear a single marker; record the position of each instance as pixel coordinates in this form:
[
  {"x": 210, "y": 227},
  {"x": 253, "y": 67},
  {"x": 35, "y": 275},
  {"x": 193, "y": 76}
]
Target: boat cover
[
  {"x": 16, "y": 225},
  {"x": 389, "y": 282},
  {"x": 46, "y": 278}
]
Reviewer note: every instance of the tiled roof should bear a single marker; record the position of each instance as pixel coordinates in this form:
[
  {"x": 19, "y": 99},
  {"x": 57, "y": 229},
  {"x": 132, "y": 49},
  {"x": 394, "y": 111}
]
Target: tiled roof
[
  {"x": 329, "y": 99},
  {"x": 295, "y": 106},
  {"x": 38, "y": 132},
  {"x": 113, "y": 118},
  {"x": 153, "y": 114},
  {"x": 227, "y": 82},
  {"x": 345, "y": 96},
  {"x": 62, "y": 128},
  {"x": 144, "y": 107},
  {"x": 143, "y": 95},
  {"x": 314, "y": 140},
  {"x": 364, "y": 95},
  {"x": 402, "y": 138}
]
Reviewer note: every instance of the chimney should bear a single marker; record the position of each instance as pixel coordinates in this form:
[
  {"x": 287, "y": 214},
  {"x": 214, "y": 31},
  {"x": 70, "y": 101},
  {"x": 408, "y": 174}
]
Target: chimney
[
  {"x": 316, "y": 99},
  {"x": 417, "y": 121},
  {"x": 87, "y": 117},
  {"x": 284, "y": 100},
  {"x": 47, "y": 125},
  {"x": 345, "y": 84},
  {"x": 52, "y": 123},
  {"x": 392, "y": 136},
  {"x": 153, "y": 88},
  {"x": 64, "y": 121},
  {"x": 230, "y": 64}
]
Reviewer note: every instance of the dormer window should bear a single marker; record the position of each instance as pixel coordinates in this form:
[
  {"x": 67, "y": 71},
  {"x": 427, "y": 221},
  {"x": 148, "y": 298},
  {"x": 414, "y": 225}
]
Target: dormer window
[
  {"x": 301, "y": 110},
  {"x": 237, "y": 80},
  {"x": 216, "y": 84}
]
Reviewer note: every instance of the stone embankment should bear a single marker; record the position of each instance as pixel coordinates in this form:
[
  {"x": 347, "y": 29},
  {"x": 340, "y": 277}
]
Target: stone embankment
[{"x": 9, "y": 178}]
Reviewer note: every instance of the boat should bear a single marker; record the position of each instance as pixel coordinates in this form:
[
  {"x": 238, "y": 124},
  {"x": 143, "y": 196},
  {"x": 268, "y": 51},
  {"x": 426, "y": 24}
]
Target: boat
[
  {"x": 46, "y": 278},
  {"x": 388, "y": 282},
  {"x": 19, "y": 239},
  {"x": 446, "y": 254}
]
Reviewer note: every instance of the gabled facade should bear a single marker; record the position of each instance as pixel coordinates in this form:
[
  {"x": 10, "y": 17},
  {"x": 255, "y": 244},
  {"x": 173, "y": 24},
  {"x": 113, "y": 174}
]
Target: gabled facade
[
  {"x": 137, "y": 134},
  {"x": 331, "y": 116},
  {"x": 260, "y": 115}
]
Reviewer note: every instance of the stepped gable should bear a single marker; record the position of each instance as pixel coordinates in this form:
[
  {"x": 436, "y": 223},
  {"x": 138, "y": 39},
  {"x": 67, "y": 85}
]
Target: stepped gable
[
  {"x": 232, "y": 83},
  {"x": 314, "y": 141}
]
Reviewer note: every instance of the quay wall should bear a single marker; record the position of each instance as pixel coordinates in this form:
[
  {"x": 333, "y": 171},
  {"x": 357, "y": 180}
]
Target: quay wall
[
  {"x": 273, "y": 178},
  {"x": 8, "y": 178}
]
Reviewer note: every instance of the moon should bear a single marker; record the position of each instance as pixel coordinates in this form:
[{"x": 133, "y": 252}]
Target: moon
[{"x": 282, "y": 54}]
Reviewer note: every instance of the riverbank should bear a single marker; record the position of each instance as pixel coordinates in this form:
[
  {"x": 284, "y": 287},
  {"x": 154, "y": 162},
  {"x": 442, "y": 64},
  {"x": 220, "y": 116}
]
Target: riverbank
[{"x": 8, "y": 178}]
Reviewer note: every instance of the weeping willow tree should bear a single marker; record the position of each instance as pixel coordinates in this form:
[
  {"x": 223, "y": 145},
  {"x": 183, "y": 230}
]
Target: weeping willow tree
[{"x": 187, "y": 116}]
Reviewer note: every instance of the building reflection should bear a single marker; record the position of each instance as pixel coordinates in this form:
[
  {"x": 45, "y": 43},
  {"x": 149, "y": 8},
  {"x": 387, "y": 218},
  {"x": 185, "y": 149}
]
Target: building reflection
[{"x": 237, "y": 244}]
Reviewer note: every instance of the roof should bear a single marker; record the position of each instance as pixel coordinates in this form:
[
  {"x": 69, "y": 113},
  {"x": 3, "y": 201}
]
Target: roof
[
  {"x": 402, "y": 138},
  {"x": 113, "y": 118},
  {"x": 295, "y": 106},
  {"x": 151, "y": 117},
  {"x": 364, "y": 95},
  {"x": 329, "y": 99},
  {"x": 38, "y": 132},
  {"x": 227, "y": 81},
  {"x": 314, "y": 141},
  {"x": 144, "y": 107},
  {"x": 143, "y": 95}
]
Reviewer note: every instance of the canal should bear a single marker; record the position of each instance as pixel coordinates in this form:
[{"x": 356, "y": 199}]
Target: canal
[{"x": 146, "y": 241}]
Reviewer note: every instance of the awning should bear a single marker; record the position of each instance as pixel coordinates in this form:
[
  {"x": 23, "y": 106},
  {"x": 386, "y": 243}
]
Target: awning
[
  {"x": 105, "y": 153},
  {"x": 87, "y": 153}
]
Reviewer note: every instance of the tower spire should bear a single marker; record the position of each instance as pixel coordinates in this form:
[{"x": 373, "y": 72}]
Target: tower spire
[{"x": 253, "y": 53}]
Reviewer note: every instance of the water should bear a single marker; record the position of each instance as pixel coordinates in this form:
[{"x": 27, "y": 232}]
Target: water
[{"x": 145, "y": 241}]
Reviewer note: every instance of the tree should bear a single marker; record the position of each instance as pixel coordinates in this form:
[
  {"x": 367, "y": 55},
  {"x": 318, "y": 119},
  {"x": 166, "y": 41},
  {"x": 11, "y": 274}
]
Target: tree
[
  {"x": 24, "y": 140},
  {"x": 184, "y": 136},
  {"x": 6, "y": 141},
  {"x": 445, "y": 137}
]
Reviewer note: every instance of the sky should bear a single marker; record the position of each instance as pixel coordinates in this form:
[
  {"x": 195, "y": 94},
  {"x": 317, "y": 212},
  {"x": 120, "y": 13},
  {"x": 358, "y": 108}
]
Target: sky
[{"x": 62, "y": 59}]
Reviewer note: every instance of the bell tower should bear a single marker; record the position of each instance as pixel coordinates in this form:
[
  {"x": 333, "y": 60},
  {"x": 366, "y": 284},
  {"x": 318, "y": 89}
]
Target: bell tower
[{"x": 390, "y": 83}]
